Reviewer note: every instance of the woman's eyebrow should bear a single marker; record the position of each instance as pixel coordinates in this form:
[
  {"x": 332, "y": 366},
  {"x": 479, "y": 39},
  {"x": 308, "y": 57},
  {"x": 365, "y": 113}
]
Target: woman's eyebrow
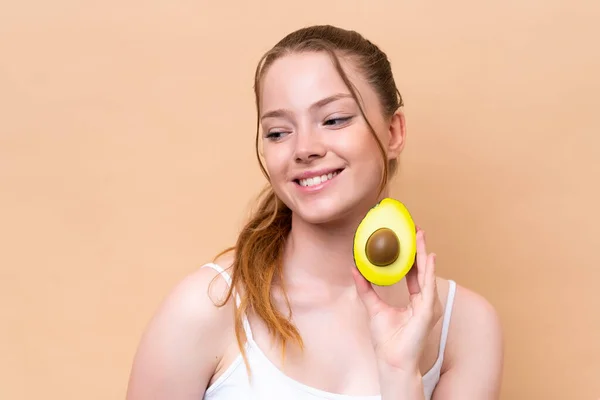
[{"x": 282, "y": 112}]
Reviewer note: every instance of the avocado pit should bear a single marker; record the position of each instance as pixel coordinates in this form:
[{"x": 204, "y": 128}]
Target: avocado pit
[{"x": 383, "y": 247}]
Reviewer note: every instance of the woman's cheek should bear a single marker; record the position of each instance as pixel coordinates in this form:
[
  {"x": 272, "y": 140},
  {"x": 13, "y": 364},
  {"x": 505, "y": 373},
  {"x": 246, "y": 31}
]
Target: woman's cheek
[{"x": 276, "y": 164}]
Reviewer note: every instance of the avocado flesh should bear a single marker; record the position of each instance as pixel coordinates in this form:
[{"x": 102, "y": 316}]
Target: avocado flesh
[{"x": 386, "y": 217}]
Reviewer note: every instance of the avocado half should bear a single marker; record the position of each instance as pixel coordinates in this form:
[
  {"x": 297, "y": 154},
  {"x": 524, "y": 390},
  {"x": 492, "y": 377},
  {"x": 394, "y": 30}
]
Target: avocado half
[{"x": 385, "y": 243}]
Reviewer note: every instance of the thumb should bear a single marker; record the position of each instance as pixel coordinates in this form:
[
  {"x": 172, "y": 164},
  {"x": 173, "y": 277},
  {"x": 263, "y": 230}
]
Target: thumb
[{"x": 367, "y": 294}]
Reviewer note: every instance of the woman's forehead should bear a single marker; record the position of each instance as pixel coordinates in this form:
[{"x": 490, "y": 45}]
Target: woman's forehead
[{"x": 300, "y": 80}]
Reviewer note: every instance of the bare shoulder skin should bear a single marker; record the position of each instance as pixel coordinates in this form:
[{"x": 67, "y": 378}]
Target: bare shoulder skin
[
  {"x": 183, "y": 344},
  {"x": 190, "y": 342},
  {"x": 474, "y": 355}
]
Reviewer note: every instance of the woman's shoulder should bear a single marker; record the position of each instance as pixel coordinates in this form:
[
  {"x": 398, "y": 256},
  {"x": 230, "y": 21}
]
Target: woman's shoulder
[
  {"x": 199, "y": 297},
  {"x": 472, "y": 312},
  {"x": 186, "y": 337},
  {"x": 474, "y": 347},
  {"x": 468, "y": 306}
]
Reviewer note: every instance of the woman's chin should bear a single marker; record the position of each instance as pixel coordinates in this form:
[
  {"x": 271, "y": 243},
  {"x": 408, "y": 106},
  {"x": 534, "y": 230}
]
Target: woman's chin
[
  {"x": 333, "y": 210},
  {"x": 322, "y": 215}
]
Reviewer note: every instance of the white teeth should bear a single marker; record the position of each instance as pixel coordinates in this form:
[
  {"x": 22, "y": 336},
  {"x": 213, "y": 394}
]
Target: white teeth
[{"x": 317, "y": 179}]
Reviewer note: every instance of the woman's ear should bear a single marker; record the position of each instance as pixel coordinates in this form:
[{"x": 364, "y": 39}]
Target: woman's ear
[{"x": 397, "y": 134}]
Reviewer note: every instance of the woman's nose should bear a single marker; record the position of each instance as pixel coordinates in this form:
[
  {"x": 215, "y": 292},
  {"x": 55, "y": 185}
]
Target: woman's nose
[{"x": 309, "y": 146}]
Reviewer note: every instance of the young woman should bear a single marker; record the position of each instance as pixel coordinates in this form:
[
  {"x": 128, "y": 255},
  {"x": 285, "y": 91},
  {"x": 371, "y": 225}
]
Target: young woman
[{"x": 284, "y": 314}]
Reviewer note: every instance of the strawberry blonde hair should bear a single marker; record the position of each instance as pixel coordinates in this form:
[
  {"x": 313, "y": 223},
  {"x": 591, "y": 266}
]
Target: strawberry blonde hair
[{"x": 258, "y": 252}]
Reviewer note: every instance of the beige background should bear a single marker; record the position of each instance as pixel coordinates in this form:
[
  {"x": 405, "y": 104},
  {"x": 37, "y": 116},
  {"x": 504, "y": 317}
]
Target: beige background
[{"x": 126, "y": 161}]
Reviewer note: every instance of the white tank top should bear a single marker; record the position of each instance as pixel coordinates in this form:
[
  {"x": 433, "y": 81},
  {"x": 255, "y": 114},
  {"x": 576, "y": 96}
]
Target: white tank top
[{"x": 269, "y": 382}]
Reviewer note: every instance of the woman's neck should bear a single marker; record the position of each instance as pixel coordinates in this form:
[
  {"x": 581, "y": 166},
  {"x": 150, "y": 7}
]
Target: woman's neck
[
  {"x": 318, "y": 254},
  {"x": 318, "y": 261}
]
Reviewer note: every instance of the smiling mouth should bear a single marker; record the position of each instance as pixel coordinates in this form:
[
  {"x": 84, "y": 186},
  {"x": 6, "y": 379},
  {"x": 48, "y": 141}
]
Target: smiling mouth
[{"x": 317, "y": 180}]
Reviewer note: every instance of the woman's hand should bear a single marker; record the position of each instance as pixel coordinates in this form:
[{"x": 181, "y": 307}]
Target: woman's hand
[{"x": 399, "y": 334}]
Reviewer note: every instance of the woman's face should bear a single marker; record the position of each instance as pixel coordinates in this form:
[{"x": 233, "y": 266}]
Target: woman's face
[{"x": 323, "y": 161}]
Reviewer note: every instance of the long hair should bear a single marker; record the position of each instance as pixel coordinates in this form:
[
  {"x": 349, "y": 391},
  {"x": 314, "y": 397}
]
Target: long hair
[{"x": 258, "y": 251}]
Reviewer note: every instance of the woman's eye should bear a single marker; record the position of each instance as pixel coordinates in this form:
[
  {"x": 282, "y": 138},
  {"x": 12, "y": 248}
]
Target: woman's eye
[
  {"x": 275, "y": 135},
  {"x": 336, "y": 121}
]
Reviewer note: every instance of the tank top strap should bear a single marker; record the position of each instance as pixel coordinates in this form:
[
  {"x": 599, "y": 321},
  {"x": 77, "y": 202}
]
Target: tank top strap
[
  {"x": 225, "y": 275},
  {"x": 447, "y": 316}
]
